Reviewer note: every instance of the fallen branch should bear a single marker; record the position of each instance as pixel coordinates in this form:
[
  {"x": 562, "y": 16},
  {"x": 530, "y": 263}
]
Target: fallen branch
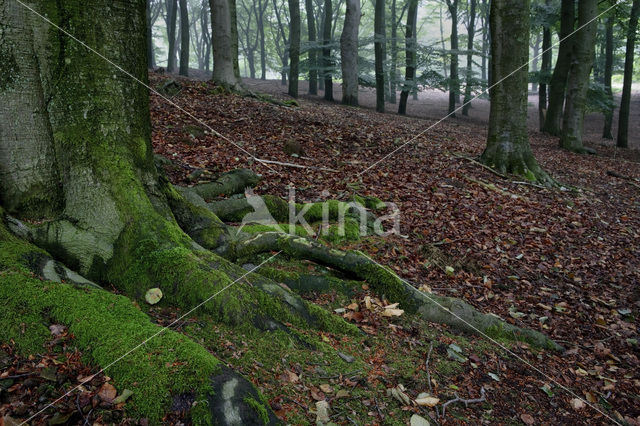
[
  {"x": 629, "y": 179},
  {"x": 495, "y": 172},
  {"x": 466, "y": 402},
  {"x": 426, "y": 366},
  {"x": 299, "y": 166}
]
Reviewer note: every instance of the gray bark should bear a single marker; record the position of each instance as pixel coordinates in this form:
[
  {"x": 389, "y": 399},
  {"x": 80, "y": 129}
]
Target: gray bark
[
  {"x": 172, "y": 9},
  {"x": 454, "y": 82},
  {"x": 313, "y": 52},
  {"x": 349, "y": 53},
  {"x": 225, "y": 43},
  {"x": 327, "y": 64},
  {"x": 294, "y": 46},
  {"x": 608, "y": 73},
  {"x": 379, "y": 46},
  {"x": 410, "y": 70},
  {"x": 184, "y": 38},
  {"x": 471, "y": 29},
  {"x": 579, "y": 73},
  {"x": 623, "y": 120}
]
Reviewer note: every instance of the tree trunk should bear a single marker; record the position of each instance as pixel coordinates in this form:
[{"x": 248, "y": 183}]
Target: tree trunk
[
  {"x": 263, "y": 51},
  {"x": 558, "y": 84},
  {"x": 379, "y": 47},
  {"x": 172, "y": 6},
  {"x": 485, "y": 39},
  {"x": 349, "y": 53},
  {"x": 226, "y": 71},
  {"x": 327, "y": 63},
  {"x": 579, "y": 73},
  {"x": 508, "y": 148},
  {"x": 294, "y": 46},
  {"x": 393, "y": 71},
  {"x": 608, "y": 72},
  {"x": 454, "y": 82},
  {"x": 313, "y": 52},
  {"x": 469, "y": 76},
  {"x": 410, "y": 70},
  {"x": 545, "y": 71},
  {"x": 534, "y": 64},
  {"x": 184, "y": 38},
  {"x": 444, "y": 48},
  {"x": 625, "y": 103},
  {"x": 151, "y": 56}
]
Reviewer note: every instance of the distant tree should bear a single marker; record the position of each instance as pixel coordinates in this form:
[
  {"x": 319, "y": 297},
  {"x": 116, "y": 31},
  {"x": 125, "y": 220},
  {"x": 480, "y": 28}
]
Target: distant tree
[
  {"x": 558, "y": 84},
  {"x": 225, "y": 43},
  {"x": 471, "y": 29},
  {"x": 379, "y": 47},
  {"x": 151, "y": 15},
  {"x": 545, "y": 69},
  {"x": 578, "y": 79},
  {"x": 184, "y": 38},
  {"x": 349, "y": 53},
  {"x": 172, "y": 12},
  {"x": 294, "y": 46},
  {"x": 608, "y": 73},
  {"x": 313, "y": 52},
  {"x": 454, "y": 82},
  {"x": 327, "y": 63},
  {"x": 623, "y": 120},
  {"x": 508, "y": 149},
  {"x": 410, "y": 69}
]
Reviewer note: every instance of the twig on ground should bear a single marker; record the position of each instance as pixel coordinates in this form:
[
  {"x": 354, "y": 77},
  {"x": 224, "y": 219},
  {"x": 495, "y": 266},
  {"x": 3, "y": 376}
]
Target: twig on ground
[
  {"x": 630, "y": 180},
  {"x": 466, "y": 402},
  {"x": 299, "y": 166},
  {"x": 495, "y": 172},
  {"x": 426, "y": 366}
]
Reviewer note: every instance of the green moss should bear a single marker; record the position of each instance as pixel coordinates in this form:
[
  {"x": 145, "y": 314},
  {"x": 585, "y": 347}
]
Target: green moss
[
  {"x": 259, "y": 408},
  {"x": 109, "y": 330}
]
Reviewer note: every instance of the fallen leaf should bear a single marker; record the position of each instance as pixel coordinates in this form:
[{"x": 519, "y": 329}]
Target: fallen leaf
[
  {"x": 107, "y": 392},
  {"x": 527, "y": 419},
  {"x": 577, "y": 404},
  {"x": 428, "y": 401}
]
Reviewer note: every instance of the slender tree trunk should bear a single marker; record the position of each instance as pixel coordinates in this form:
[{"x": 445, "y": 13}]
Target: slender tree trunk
[
  {"x": 608, "y": 72},
  {"x": 263, "y": 51},
  {"x": 184, "y": 38},
  {"x": 454, "y": 85},
  {"x": 313, "y": 52},
  {"x": 349, "y": 53},
  {"x": 206, "y": 34},
  {"x": 534, "y": 64},
  {"x": 445, "y": 71},
  {"x": 485, "y": 39},
  {"x": 410, "y": 42},
  {"x": 294, "y": 46},
  {"x": 625, "y": 104},
  {"x": 151, "y": 56},
  {"x": 508, "y": 147},
  {"x": 579, "y": 73},
  {"x": 469, "y": 76},
  {"x": 414, "y": 89},
  {"x": 379, "y": 48},
  {"x": 393, "y": 72},
  {"x": 545, "y": 72},
  {"x": 171, "y": 31},
  {"x": 558, "y": 84},
  {"x": 327, "y": 63},
  {"x": 225, "y": 43}
]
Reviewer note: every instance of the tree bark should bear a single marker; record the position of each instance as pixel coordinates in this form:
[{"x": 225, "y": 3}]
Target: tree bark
[
  {"x": 545, "y": 72},
  {"x": 184, "y": 38},
  {"x": 349, "y": 53},
  {"x": 469, "y": 76},
  {"x": 313, "y": 51},
  {"x": 578, "y": 80},
  {"x": 172, "y": 6},
  {"x": 226, "y": 71},
  {"x": 294, "y": 46},
  {"x": 327, "y": 63},
  {"x": 608, "y": 73},
  {"x": 558, "y": 84},
  {"x": 534, "y": 63},
  {"x": 151, "y": 56},
  {"x": 485, "y": 39},
  {"x": 508, "y": 148},
  {"x": 410, "y": 42},
  {"x": 393, "y": 70},
  {"x": 454, "y": 82},
  {"x": 379, "y": 47},
  {"x": 625, "y": 103}
]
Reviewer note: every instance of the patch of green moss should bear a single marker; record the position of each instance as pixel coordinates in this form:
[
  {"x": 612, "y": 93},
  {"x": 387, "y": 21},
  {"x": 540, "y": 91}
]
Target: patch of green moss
[{"x": 259, "y": 408}]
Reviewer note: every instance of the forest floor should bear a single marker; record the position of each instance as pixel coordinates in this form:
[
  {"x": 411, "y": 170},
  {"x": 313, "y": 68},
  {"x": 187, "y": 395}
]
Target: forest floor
[{"x": 562, "y": 261}]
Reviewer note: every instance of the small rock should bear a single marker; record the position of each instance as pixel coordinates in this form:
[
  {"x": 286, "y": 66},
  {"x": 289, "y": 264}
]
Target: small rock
[
  {"x": 346, "y": 358},
  {"x": 153, "y": 296},
  {"x": 417, "y": 420},
  {"x": 323, "y": 412}
]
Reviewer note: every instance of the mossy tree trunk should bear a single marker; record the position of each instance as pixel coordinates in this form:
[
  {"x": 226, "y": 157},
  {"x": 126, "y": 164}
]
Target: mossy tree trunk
[
  {"x": 225, "y": 43},
  {"x": 623, "y": 120},
  {"x": 508, "y": 148},
  {"x": 558, "y": 84},
  {"x": 349, "y": 53},
  {"x": 579, "y": 77}
]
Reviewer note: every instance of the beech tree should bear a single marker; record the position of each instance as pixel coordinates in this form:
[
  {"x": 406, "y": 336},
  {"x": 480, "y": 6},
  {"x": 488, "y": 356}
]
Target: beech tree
[
  {"x": 172, "y": 12},
  {"x": 508, "y": 149},
  {"x": 558, "y": 83},
  {"x": 545, "y": 70},
  {"x": 608, "y": 74},
  {"x": 294, "y": 46},
  {"x": 454, "y": 82},
  {"x": 379, "y": 47},
  {"x": 410, "y": 70},
  {"x": 349, "y": 53},
  {"x": 327, "y": 63},
  {"x": 578, "y": 79},
  {"x": 226, "y": 71},
  {"x": 623, "y": 120},
  {"x": 184, "y": 38},
  {"x": 471, "y": 29},
  {"x": 313, "y": 53}
]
